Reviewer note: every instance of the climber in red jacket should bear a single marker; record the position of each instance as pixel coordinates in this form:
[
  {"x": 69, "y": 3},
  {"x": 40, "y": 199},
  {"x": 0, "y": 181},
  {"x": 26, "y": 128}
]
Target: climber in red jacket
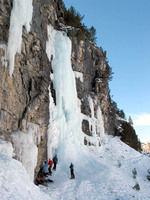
[{"x": 50, "y": 166}]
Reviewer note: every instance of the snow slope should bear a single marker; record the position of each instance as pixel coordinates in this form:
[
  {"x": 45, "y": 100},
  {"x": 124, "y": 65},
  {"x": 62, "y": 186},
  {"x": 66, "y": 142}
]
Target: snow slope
[{"x": 103, "y": 173}]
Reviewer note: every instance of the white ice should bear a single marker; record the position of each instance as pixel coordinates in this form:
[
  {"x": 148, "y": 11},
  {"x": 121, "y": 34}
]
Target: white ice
[
  {"x": 65, "y": 117},
  {"x": 79, "y": 75},
  {"x": 25, "y": 144},
  {"x": 21, "y": 15}
]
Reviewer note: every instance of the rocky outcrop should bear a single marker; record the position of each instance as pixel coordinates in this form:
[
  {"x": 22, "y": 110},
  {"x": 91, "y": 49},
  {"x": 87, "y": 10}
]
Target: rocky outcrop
[
  {"x": 146, "y": 147},
  {"x": 24, "y": 96}
]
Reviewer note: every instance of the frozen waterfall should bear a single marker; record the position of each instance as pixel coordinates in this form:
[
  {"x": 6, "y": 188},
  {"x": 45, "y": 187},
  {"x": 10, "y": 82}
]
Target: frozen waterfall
[
  {"x": 65, "y": 133},
  {"x": 65, "y": 123}
]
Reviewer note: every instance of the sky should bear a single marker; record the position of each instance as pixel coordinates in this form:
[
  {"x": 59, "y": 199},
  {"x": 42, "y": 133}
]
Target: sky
[{"x": 123, "y": 30}]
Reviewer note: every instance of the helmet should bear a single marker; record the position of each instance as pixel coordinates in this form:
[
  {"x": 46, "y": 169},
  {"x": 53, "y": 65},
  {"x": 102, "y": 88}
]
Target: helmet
[{"x": 55, "y": 155}]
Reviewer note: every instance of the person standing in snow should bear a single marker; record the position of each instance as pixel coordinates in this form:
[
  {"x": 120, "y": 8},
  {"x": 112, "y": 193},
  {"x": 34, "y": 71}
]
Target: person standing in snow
[
  {"x": 72, "y": 171},
  {"x": 50, "y": 166},
  {"x": 55, "y": 161},
  {"x": 44, "y": 169}
]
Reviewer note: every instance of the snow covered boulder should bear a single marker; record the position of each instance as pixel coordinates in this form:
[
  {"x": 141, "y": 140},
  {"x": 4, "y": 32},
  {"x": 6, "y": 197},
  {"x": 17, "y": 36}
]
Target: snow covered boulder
[
  {"x": 6, "y": 148},
  {"x": 15, "y": 182},
  {"x": 136, "y": 187},
  {"x": 148, "y": 178}
]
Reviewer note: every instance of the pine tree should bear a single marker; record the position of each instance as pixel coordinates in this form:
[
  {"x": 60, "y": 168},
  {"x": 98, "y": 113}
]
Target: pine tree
[
  {"x": 129, "y": 136},
  {"x": 92, "y": 32},
  {"x": 130, "y": 121}
]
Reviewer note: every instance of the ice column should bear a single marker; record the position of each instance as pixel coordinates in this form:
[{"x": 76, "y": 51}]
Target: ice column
[
  {"x": 21, "y": 15},
  {"x": 92, "y": 122},
  {"x": 66, "y": 122},
  {"x": 96, "y": 123},
  {"x": 100, "y": 123}
]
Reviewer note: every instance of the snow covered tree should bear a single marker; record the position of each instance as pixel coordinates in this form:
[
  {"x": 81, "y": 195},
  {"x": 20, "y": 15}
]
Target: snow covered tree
[{"x": 130, "y": 121}]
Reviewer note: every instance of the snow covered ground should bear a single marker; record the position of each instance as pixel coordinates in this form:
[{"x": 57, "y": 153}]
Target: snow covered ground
[{"x": 102, "y": 173}]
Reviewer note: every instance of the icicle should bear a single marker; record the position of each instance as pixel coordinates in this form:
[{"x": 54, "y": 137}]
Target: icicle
[
  {"x": 79, "y": 75},
  {"x": 100, "y": 123},
  {"x": 92, "y": 122},
  {"x": 21, "y": 15}
]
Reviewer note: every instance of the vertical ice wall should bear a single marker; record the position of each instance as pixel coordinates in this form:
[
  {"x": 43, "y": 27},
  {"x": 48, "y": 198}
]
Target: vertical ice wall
[
  {"x": 96, "y": 120},
  {"x": 100, "y": 123},
  {"x": 96, "y": 124},
  {"x": 92, "y": 122},
  {"x": 21, "y": 15},
  {"x": 25, "y": 146},
  {"x": 65, "y": 121},
  {"x": 64, "y": 133}
]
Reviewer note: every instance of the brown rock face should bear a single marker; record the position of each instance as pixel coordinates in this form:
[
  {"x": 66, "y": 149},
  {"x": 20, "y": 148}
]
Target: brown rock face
[{"x": 89, "y": 60}]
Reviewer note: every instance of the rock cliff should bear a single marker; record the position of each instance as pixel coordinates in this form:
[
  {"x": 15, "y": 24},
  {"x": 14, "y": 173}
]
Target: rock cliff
[
  {"x": 146, "y": 147},
  {"x": 24, "y": 96}
]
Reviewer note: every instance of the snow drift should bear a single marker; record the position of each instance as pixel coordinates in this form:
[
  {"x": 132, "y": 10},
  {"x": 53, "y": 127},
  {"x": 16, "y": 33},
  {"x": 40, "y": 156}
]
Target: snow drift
[{"x": 14, "y": 180}]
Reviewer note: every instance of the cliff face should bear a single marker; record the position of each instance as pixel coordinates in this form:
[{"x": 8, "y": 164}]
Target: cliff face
[
  {"x": 146, "y": 147},
  {"x": 24, "y": 96},
  {"x": 89, "y": 60}
]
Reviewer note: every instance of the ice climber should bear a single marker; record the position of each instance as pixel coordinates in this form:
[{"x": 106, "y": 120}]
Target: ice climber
[
  {"x": 72, "y": 171},
  {"x": 42, "y": 180},
  {"x": 55, "y": 161},
  {"x": 50, "y": 166},
  {"x": 44, "y": 170}
]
